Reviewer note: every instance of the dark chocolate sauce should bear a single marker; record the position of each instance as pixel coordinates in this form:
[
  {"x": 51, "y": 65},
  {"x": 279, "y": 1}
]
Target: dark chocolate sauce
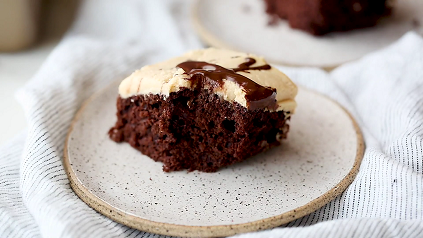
[
  {"x": 213, "y": 75},
  {"x": 250, "y": 61}
]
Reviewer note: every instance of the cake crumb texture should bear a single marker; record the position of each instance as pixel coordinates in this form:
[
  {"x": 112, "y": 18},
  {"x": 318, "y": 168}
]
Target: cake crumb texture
[{"x": 196, "y": 130}]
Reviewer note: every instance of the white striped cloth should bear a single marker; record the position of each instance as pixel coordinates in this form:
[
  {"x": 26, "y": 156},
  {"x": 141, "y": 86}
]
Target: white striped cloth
[{"x": 384, "y": 91}]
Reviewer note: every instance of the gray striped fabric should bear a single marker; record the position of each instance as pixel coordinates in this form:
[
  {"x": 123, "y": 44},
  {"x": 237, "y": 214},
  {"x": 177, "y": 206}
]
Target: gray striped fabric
[{"x": 384, "y": 91}]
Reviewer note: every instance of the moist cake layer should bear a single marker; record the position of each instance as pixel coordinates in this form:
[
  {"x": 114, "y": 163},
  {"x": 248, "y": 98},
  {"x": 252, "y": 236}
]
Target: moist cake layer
[{"x": 195, "y": 130}]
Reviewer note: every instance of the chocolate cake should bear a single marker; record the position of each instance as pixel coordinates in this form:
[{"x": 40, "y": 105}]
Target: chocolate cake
[
  {"x": 204, "y": 110},
  {"x": 319, "y": 17}
]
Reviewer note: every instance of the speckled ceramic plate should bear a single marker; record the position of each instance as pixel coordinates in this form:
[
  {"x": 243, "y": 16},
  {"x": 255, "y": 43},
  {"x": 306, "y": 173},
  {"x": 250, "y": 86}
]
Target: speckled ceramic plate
[
  {"x": 315, "y": 164},
  {"x": 243, "y": 25}
]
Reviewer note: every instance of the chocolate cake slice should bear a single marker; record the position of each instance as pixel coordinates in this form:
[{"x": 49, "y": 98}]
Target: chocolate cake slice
[
  {"x": 319, "y": 17},
  {"x": 204, "y": 110}
]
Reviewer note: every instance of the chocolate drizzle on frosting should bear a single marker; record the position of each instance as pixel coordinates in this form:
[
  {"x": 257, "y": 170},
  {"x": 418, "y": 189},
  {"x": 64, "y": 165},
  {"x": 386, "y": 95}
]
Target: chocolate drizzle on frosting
[
  {"x": 250, "y": 61},
  {"x": 213, "y": 75}
]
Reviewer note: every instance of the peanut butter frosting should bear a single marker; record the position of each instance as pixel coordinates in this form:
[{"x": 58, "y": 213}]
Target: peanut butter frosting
[{"x": 238, "y": 77}]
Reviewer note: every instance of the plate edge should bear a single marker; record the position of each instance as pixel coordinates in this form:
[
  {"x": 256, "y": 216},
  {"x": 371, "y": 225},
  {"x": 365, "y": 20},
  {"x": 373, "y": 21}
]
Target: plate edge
[
  {"x": 210, "y": 39},
  {"x": 207, "y": 231}
]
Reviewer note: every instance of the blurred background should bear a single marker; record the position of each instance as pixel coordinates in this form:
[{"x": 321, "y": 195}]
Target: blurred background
[{"x": 29, "y": 31}]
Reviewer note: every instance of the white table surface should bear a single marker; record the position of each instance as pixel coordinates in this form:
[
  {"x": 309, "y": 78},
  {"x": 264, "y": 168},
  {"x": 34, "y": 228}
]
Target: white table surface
[{"x": 16, "y": 68}]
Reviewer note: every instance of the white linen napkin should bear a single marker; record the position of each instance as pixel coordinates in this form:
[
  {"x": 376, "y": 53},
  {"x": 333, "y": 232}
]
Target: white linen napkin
[{"x": 110, "y": 39}]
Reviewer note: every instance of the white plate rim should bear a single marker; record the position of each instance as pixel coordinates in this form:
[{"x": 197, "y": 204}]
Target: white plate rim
[{"x": 210, "y": 39}]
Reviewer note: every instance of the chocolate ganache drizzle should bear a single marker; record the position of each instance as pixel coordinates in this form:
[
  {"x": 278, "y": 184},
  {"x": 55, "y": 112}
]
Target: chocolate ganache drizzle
[{"x": 257, "y": 96}]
